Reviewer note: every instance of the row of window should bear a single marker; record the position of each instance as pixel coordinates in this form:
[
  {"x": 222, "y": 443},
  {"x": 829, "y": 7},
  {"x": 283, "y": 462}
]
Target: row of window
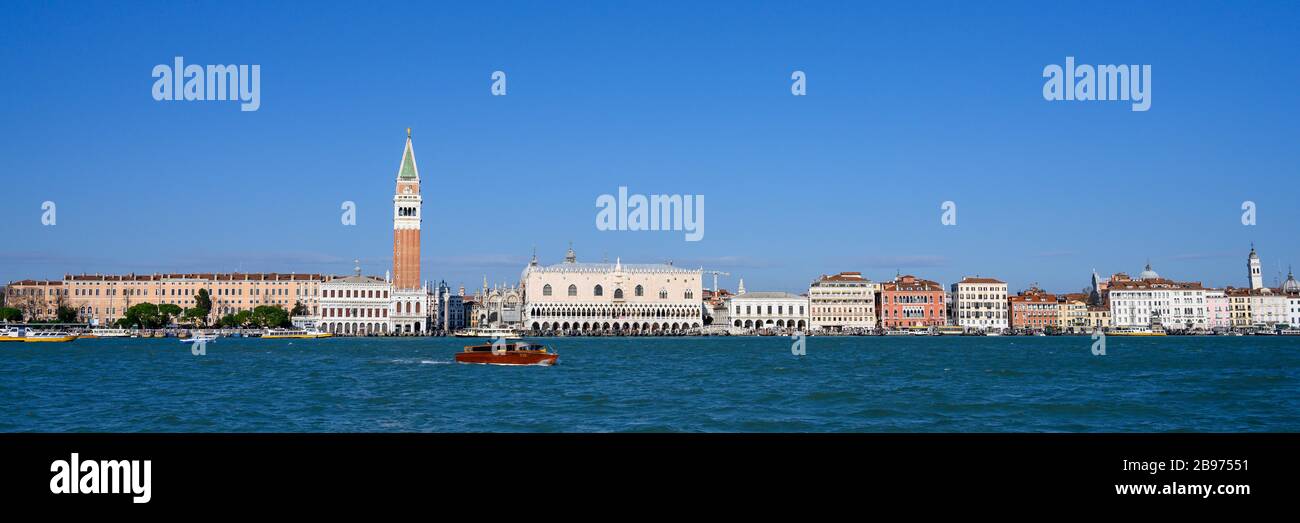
[
  {"x": 780, "y": 309},
  {"x": 352, "y": 293},
  {"x": 618, "y": 293}
]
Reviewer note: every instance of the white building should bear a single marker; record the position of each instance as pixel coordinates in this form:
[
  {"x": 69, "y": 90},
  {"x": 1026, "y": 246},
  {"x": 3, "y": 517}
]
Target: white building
[
  {"x": 450, "y": 312},
  {"x": 980, "y": 304},
  {"x": 844, "y": 301},
  {"x": 355, "y": 305},
  {"x": 768, "y": 310},
  {"x": 611, "y": 297},
  {"x": 1268, "y": 307},
  {"x": 1155, "y": 301}
]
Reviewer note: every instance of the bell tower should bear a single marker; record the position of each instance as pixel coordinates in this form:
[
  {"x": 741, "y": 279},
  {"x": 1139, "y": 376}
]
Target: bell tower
[
  {"x": 1256, "y": 271},
  {"x": 407, "y": 215}
]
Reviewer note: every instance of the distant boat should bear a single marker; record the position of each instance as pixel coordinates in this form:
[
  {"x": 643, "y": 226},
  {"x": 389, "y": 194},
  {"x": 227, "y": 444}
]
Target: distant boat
[
  {"x": 490, "y": 332},
  {"x": 49, "y": 337},
  {"x": 1135, "y": 331},
  {"x": 109, "y": 333},
  {"x": 508, "y": 354},
  {"x": 280, "y": 334},
  {"x": 200, "y": 337}
]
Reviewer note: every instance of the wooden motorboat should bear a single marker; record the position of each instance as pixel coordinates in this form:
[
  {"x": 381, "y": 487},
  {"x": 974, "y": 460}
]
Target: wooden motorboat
[{"x": 521, "y": 353}]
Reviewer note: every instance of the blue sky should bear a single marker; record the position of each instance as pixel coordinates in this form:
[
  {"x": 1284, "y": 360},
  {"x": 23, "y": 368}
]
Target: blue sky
[{"x": 907, "y": 107}]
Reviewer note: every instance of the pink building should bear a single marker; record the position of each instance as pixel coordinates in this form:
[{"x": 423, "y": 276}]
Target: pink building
[{"x": 1218, "y": 309}]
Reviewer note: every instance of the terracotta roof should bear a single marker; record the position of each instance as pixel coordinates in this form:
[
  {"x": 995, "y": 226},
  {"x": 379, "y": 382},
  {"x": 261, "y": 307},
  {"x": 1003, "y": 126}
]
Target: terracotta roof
[
  {"x": 1154, "y": 284},
  {"x": 844, "y": 276},
  {"x": 217, "y": 276},
  {"x": 35, "y": 282},
  {"x": 909, "y": 283},
  {"x": 1033, "y": 297},
  {"x": 974, "y": 279}
]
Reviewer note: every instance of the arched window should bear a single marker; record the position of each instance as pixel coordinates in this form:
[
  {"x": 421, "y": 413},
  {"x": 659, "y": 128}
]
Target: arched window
[
  {"x": 573, "y": 290},
  {"x": 689, "y": 295},
  {"x": 599, "y": 291},
  {"x": 639, "y": 291},
  {"x": 546, "y": 291},
  {"x": 618, "y": 294},
  {"x": 663, "y": 294}
]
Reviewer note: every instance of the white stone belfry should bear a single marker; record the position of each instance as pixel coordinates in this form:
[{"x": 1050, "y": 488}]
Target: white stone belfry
[{"x": 1256, "y": 271}]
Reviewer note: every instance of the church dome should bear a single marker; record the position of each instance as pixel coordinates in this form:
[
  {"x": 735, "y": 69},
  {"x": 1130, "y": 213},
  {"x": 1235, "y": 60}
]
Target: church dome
[
  {"x": 1290, "y": 285},
  {"x": 1148, "y": 274}
]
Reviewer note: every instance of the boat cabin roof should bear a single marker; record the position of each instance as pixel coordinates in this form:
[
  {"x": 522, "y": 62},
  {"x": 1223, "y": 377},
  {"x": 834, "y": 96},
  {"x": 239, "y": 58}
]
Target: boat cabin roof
[{"x": 487, "y": 347}]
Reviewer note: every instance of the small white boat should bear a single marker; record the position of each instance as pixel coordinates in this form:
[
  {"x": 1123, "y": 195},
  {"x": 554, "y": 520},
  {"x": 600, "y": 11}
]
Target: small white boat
[
  {"x": 110, "y": 333},
  {"x": 490, "y": 332},
  {"x": 13, "y": 334},
  {"x": 200, "y": 338}
]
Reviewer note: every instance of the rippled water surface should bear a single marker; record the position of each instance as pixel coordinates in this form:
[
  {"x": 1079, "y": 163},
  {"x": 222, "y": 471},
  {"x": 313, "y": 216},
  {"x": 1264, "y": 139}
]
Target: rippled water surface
[{"x": 942, "y": 384}]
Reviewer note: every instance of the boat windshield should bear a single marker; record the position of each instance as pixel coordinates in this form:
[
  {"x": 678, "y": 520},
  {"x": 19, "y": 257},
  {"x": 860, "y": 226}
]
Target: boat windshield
[{"x": 510, "y": 347}]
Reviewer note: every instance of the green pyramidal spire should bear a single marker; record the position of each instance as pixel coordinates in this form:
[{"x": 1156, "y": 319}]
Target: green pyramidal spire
[{"x": 408, "y": 171}]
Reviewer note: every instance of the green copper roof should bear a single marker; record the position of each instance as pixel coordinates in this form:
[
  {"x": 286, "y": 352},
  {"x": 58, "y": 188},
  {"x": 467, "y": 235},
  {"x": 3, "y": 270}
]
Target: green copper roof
[{"x": 408, "y": 170}]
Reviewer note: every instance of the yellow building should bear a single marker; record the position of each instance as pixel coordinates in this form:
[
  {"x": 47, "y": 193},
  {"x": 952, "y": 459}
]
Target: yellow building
[
  {"x": 1098, "y": 318},
  {"x": 1072, "y": 315}
]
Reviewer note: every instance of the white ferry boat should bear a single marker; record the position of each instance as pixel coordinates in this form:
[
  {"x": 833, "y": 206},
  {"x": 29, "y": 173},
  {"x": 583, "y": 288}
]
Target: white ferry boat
[
  {"x": 49, "y": 337},
  {"x": 490, "y": 332},
  {"x": 1135, "y": 331},
  {"x": 280, "y": 334},
  {"x": 110, "y": 333}
]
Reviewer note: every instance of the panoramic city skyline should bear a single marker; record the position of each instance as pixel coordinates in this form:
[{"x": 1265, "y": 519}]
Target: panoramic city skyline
[{"x": 851, "y": 176}]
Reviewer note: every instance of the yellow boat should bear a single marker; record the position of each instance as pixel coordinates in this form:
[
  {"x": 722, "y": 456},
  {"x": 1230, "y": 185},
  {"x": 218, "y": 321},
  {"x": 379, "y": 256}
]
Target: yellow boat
[
  {"x": 49, "y": 337},
  {"x": 283, "y": 334}
]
